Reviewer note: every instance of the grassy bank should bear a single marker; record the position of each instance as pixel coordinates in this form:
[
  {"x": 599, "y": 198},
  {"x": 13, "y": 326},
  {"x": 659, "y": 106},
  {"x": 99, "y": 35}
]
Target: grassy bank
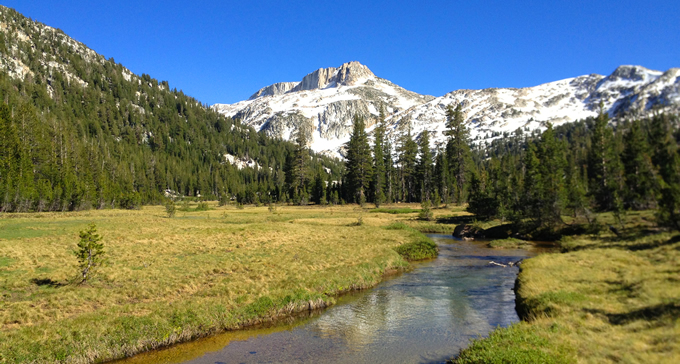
[
  {"x": 174, "y": 279},
  {"x": 604, "y": 299}
]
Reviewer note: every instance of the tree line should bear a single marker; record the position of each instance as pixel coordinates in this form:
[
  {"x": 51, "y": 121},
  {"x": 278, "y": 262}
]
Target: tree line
[{"x": 530, "y": 178}]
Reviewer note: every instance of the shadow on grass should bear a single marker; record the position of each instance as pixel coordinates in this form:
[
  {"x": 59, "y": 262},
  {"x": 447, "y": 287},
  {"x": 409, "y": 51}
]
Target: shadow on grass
[
  {"x": 622, "y": 243},
  {"x": 663, "y": 312},
  {"x": 457, "y": 220},
  {"x": 46, "y": 282}
]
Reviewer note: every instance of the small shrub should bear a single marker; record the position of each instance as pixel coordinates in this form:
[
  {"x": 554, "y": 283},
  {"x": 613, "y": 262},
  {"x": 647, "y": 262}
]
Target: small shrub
[
  {"x": 359, "y": 222},
  {"x": 202, "y": 206},
  {"x": 90, "y": 253},
  {"x": 397, "y": 226},
  {"x": 170, "y": 208},
  {"x": 424, "y": 248},
  {"x": 185, "y": 206},
  {"x": 425, "y": 211},
  {"x": 272, "y": 208},
  {"x": 239, "y": 206}
]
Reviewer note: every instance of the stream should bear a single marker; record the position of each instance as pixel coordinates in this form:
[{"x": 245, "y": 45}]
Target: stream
[{"x": 423, "y": 316}]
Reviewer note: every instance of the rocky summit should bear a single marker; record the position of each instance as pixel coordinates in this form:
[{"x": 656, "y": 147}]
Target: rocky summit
[{"x": 325, "y": 101}]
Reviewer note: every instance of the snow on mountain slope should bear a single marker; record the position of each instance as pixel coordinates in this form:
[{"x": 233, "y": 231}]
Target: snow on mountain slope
[
  {"x": 325, "y": 102},
  {"x": 628, "y": 89}
]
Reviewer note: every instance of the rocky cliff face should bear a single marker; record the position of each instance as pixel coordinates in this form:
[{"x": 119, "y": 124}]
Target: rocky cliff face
[
  {"x": 326, "y": 100},
  {"x": 275, "y": 89}
]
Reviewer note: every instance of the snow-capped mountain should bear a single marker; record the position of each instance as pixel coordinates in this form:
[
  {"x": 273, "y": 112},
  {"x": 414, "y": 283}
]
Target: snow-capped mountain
[{"x": 326, "y": 100}]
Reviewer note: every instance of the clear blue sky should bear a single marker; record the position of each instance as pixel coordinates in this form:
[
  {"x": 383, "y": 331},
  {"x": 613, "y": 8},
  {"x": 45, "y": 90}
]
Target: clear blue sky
[{"x": 223, "y": 51}]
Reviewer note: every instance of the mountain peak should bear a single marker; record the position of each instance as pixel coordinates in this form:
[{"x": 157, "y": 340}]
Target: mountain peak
[
  {"x": 347, "y": 74},
  {"x": 633, "y": 73}
]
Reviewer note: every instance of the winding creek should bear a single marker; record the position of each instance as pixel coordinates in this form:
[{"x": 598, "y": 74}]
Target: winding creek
[{"x": 424, "y": 316}]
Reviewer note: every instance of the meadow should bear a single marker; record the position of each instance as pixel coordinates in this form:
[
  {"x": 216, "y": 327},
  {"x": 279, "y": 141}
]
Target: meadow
[{"x": 167, "y": 280}]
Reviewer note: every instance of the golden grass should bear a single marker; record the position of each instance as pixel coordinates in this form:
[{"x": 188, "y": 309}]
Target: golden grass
[
  {"x": 606, "y": 299},
  {"x": 175, "y": 279}
]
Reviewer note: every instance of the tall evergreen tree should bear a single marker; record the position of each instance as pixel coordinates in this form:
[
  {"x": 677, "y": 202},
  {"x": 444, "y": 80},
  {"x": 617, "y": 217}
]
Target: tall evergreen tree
[
  {"x": 379, "y": 170},
  {"x": 604, "y": 169},
  {"x": 359, "y": 165},
  {"x": 667, "y": 159},
  {"x": 457, "y": 150},
  {"x": 408, "y": 151},
  {"x": 441, "y": 176},
  {"x": 551, "y": 170},
  {"x": 424, "y": 168},
  {"x": 640, "y": 179}
]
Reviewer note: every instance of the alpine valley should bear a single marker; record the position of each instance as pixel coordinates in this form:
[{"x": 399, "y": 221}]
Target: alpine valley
[{"x": 326, "y": 100}]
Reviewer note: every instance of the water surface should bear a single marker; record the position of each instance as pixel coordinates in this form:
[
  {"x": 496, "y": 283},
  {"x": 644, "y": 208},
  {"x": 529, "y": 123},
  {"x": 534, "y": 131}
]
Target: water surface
[{"x": 424, "y": 316}]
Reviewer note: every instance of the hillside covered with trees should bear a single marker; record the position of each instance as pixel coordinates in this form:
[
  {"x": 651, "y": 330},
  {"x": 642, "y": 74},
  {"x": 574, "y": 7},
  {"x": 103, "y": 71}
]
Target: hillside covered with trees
[{"x": 79, "y": 131}]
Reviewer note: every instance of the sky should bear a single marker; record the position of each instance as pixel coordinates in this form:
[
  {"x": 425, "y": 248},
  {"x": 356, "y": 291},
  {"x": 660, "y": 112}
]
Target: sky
[{"x": 224, "y": 51}]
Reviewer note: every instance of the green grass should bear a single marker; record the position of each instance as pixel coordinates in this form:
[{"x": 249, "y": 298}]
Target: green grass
[
  {"x": 509, "y": 243},
  {"x": 400, "y": 210},
  {"x": 519, "y": 343},
  {"x": 170, "y": 280}
]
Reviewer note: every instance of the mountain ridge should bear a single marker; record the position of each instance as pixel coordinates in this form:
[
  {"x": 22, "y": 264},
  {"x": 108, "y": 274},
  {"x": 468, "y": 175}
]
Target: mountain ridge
[{"x": 322, "y": 104}]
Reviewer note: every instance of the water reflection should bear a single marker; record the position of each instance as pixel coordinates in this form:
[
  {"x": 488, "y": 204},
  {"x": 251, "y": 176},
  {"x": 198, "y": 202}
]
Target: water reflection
[{"x": 423, "y": 316}]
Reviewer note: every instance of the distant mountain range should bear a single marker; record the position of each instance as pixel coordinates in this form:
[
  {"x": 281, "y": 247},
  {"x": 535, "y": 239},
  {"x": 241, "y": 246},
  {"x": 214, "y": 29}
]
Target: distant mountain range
[{"x": 326, "y": 100}]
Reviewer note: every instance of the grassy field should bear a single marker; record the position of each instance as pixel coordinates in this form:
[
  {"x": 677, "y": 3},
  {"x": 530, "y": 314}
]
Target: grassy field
[
  {"x": 168, "y": 280},
  {"x": 604, "y": 299}
]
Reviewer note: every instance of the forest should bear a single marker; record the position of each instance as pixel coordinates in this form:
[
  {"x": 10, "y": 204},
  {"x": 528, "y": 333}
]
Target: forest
[
  {"x": 79, "y": 131},
  {"x": 531, "y": 179}
]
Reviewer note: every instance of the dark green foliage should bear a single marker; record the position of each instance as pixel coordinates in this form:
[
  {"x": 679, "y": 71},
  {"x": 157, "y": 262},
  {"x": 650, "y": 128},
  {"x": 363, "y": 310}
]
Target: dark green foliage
[
  {"x": 604, "y": 166},
  {"x": 424, "y": 248},
  {"x": 359, "y": 166},
  {"x": 90, "y": 253},
  {"x": 170, "y": 208},
  {"x": 408, "y": 151},
  {"x": 640, "y": 179},
  {"x": 117, "y": 139},
  {"x": 379, "y": 170},
  {"x": 425, "y": 211},
  {"x": 458, "y": 151},
  {"x": 425, "y": 166}
]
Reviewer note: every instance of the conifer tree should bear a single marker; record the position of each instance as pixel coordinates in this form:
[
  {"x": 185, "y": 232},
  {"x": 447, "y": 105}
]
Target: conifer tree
[
  {"x": 551, "y": 170},
  {"x": 408, "y": 151},
  {"x": 389, "y": 171},
  {"x": 604, "y": 169},
  {"x": 667, "y": 159},
  {"x": 640, "y": 179},
  {"x": 457, "y": 150},
  {"x": 379, "y": 170},
  {"x": 359, "y": 165},
  {"x": 424, "y": 167},
  {"x": 441, "y": 176}
]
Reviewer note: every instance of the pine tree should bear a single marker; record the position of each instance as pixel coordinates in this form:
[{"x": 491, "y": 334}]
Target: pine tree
[
  {"x": 408, "y": 151},
  {"x": 441, "y": 176},
  {"x": 389, "y": 171},
  {"x": 667, "y": 159},
  {"x": 640, "y": 179},
  {"x": 551, "y": 170},
  {"x": 604, "y": 166},
  {"x": 379, "y": 170},
  {"x": 424, "y": 168},
  {"x": 359, "y": 165},
  {"x": 457, "y": 150}
]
